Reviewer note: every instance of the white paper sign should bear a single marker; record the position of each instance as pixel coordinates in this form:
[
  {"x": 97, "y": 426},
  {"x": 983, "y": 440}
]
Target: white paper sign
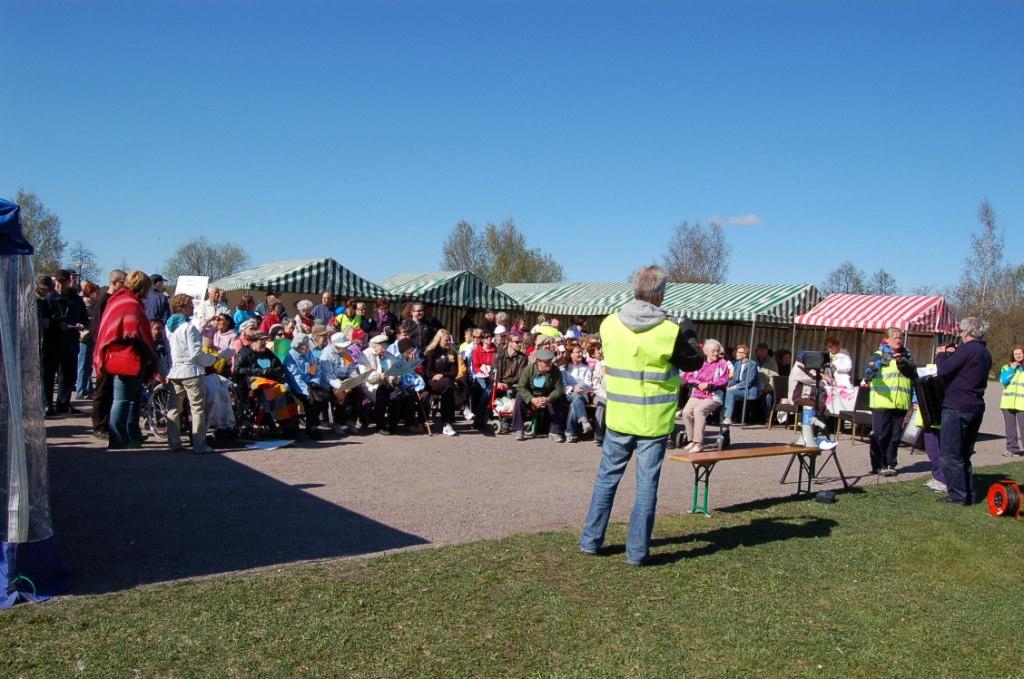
[{"x": 193, "y": 286}]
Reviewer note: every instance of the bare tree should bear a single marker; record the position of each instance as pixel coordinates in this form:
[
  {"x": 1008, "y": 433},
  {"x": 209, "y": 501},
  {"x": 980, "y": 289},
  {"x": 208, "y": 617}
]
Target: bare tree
[
  {"x": 42, "y": 229},
  {"x": 199, "y": 257},
  {"x": 882, "y": 283},
  {"x": 984, "y": 271},
  {"x": 82, "y": 261},
  {"x": 845, "y": 278},
  {"x": 498, "y": 255},
  {"x": 697, "y": 254}
]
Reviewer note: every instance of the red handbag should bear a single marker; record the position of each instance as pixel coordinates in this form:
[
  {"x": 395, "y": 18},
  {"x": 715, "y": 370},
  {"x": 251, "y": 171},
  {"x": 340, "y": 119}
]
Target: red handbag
[{"x": 123, "y": 360}]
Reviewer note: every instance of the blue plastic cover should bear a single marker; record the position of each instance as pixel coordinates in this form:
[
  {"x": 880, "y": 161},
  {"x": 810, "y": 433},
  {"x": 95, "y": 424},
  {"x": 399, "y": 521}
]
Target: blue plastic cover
[
  {"x": 12, "y": 240},
  {"x": 32, "y": 571}
]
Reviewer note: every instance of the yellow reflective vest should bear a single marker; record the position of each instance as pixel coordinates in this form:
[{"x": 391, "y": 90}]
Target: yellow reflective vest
[
  {"x": 642, "y": 386},
  {"x": 1013, "y": 393},
  {"x": 890, "y": 390}
]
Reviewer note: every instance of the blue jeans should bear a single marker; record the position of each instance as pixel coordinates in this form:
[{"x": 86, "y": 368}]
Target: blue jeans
[
  {"x": 483, "y": 400},
  {"x": 124, "y": 412},
  {"x": 577, "y": 411},
  {"x": 616, "y": 451},
  {"x": 736, "y": 394},
  {"x": 956, "y": 444},
  {"x": 84, "y": 384}
]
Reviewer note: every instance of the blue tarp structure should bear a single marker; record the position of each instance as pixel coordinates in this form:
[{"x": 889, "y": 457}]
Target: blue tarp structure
[{"x": 30, "y": 567}]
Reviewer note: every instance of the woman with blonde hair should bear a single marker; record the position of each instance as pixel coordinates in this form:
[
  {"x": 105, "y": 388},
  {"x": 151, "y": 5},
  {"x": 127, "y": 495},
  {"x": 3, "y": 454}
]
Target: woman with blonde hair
[
  {"x": 440, "y": 371},
  {"x": 125, "y": 351}
]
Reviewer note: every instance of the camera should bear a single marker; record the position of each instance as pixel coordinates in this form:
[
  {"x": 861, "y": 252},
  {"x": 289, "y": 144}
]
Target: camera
[{"x": 816, "y": 360}]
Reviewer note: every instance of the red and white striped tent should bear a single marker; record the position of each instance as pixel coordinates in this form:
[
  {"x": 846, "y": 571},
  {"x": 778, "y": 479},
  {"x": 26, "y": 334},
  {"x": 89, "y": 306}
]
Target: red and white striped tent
[{"x": 913, "y": 314}]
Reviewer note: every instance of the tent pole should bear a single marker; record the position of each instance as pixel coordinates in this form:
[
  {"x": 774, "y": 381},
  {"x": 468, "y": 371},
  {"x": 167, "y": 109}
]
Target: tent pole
[{"x": 750, "y": 357}]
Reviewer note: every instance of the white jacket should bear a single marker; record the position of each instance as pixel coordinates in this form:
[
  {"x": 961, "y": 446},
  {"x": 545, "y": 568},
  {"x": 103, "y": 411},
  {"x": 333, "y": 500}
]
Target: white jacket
[
  {"x": 369, "y": 362},
  {"x": 187, "y": 356}
]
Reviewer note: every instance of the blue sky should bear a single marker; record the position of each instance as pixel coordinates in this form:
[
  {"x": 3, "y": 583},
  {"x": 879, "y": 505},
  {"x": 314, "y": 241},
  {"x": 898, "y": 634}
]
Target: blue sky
[{"x": 364, "y": 131}]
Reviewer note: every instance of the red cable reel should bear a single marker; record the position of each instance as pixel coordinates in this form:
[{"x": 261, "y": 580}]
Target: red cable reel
[{"x": 1005, "y": 498}]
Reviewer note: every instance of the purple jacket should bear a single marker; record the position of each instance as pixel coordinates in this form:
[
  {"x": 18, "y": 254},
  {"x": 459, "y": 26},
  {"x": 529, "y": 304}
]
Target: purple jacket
[
  {"x": 715, "y": 374},
  {"x": 965, "y": 374}
]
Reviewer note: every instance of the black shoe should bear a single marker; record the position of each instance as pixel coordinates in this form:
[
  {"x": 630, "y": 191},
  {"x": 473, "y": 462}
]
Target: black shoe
[
  {"x": 51, "y": 412},
  {"x": 385, "y": 432}
]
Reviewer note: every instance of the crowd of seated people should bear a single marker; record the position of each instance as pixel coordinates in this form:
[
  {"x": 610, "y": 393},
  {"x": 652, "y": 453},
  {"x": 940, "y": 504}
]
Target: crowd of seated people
[{"x": 350, "y": 370}]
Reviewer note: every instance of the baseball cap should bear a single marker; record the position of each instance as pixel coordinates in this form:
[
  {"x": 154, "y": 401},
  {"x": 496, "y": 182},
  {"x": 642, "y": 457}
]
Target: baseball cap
[{"x": 157, "y": 278}]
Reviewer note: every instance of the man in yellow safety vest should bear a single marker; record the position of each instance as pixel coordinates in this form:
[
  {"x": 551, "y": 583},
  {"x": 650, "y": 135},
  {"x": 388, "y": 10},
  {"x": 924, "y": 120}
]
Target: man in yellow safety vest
[{"x": 643, "y": 354}]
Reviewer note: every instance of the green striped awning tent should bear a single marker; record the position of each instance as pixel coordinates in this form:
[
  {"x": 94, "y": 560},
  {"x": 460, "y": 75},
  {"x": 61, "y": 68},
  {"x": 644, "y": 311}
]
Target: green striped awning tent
[
  {"x": 570, "y": 299},
  {"x": 740, "y": 302},
  {"x": 306, "y": 276},
  {"x": 449, "y": 288},
  {"x": 701, "y": 302}
]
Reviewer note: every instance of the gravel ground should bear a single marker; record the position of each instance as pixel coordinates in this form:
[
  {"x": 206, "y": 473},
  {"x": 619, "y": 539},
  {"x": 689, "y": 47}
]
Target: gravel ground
[{"x": 131, "y": 518}]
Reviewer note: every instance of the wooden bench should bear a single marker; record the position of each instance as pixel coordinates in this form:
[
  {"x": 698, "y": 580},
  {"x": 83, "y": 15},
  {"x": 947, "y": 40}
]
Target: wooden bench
[{"x": 704, "y": 462}]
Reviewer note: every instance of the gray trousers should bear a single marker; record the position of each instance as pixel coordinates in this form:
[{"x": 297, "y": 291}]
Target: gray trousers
[{"x": 1014, "y": 421}]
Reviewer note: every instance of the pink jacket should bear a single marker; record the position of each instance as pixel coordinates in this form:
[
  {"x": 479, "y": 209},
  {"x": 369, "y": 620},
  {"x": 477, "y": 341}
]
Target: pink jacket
[{"x": 715, "y": 374}]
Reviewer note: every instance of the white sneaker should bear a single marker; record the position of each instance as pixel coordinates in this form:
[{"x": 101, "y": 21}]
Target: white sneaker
[
  {"x": 449, "y": 431},
  {"x": 726, "y": 420},
  {"x": 587, "y": 427},
  {"x": 467, "y": 413},
  {"x": 935, "y": 485}
]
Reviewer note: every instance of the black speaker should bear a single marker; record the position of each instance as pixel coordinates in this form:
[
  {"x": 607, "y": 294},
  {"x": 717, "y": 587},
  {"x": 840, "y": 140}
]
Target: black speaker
[{"x": 816, "y": 360}]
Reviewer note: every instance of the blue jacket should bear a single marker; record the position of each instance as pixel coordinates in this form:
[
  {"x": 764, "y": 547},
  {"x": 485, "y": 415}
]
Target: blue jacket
[
  {"x": 882, "y": 357},
  {"x": 297, "y": 366},
  {"x": 750, "y": 377}
]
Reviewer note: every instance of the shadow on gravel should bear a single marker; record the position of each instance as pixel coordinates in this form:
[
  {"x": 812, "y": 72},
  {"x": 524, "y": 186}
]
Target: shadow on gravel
[{"x": 130, "y": 518}]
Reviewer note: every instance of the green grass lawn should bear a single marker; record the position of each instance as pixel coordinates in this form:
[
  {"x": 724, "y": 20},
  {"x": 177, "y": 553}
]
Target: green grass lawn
[{"x": 885, "y": 581}]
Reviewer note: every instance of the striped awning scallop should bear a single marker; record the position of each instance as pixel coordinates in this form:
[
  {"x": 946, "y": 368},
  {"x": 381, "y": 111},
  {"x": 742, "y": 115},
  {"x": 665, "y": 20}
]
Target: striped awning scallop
[
  {"x": 306, "y": 276},
  {"x": 449, "y": 288},
  {"x": 700, "y": 302},
  {"x": 927, "y": 314}
]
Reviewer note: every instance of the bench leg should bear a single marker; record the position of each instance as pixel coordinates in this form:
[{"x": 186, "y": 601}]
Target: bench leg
[
  {"x": 806, "y": 467},
  {"x": 701, "y": 475},
  {"x": 789, "y": 466},
  {"x": 835, "y": 458}
]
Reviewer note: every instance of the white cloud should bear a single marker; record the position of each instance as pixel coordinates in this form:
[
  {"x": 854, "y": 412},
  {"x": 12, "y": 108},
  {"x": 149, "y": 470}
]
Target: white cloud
[{"x": 750, "y": 219}]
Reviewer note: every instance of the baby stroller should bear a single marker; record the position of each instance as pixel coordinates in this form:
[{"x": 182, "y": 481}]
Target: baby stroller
[{"x": 503, "y": 403}]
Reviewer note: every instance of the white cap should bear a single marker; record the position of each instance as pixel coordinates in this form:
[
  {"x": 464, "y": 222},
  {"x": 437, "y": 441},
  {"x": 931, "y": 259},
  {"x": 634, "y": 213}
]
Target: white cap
[
  {"x": 380, "y": 339},
  {"x": 500, "y": 330},
  {"x": 340, "y": 340}
]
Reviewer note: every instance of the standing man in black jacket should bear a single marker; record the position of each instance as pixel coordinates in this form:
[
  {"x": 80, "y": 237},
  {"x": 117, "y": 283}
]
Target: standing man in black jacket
[{"x": 965, "y": 375}]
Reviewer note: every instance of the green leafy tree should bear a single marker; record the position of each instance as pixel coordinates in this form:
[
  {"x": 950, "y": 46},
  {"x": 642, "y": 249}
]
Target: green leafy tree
[
  {"x": 499, "y": 254},
  {"x": 697, "y": 254},
  {"x": 200, "y": 257},
  {"x": 42, "y": 229}
]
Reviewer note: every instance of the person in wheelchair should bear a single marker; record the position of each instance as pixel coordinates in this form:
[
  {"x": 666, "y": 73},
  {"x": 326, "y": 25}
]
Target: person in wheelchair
[
  {"x": 706, "y": 387},
  {"x": 301, "y": 365},
  {"x": 259, "y": 370},
  {"x": 540, "y": 389}
]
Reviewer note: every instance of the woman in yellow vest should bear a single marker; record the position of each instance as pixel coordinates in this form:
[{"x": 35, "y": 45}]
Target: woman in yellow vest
[
  {"x": 1012, "y": 403},
  {"x": 888, "y": 373}
]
